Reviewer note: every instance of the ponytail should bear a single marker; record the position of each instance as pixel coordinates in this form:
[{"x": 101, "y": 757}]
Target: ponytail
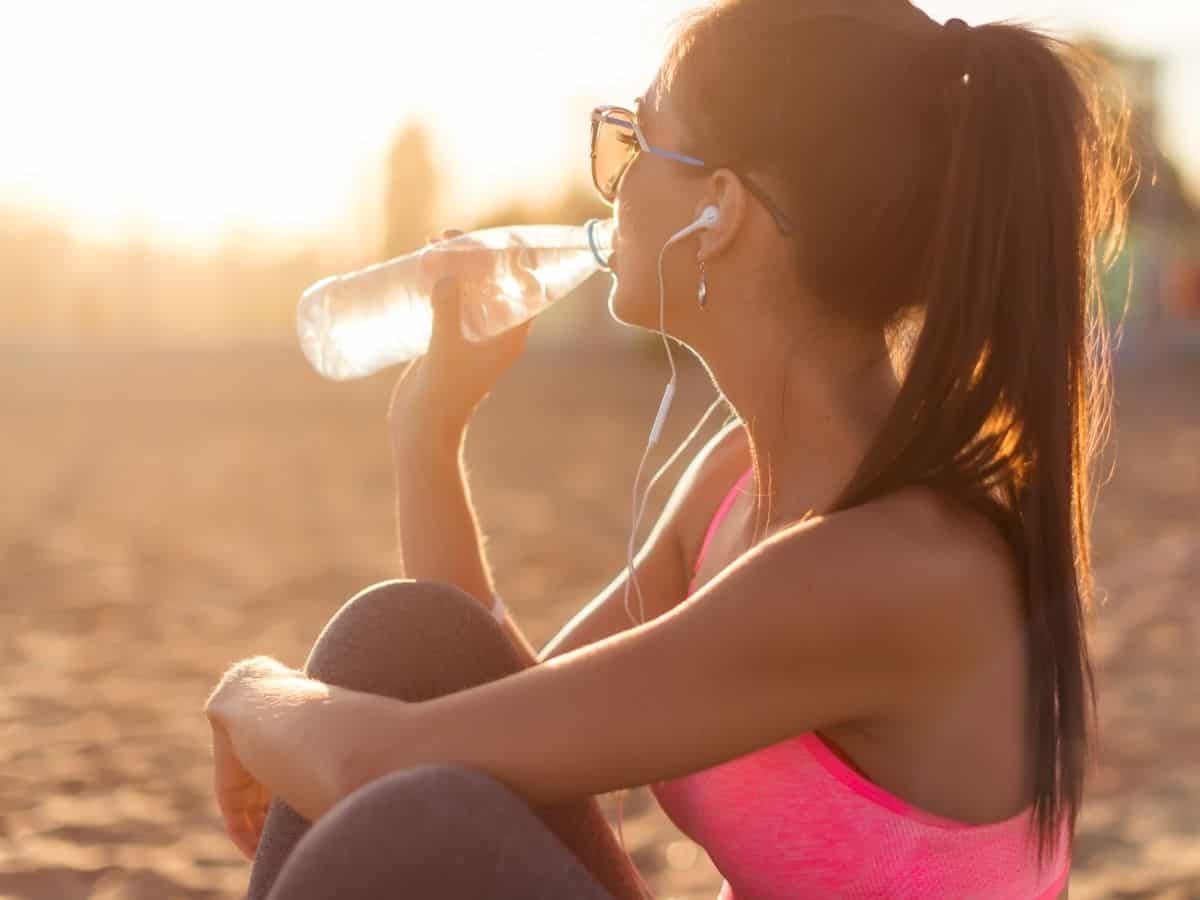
[{"x": 1009, "y": 385}]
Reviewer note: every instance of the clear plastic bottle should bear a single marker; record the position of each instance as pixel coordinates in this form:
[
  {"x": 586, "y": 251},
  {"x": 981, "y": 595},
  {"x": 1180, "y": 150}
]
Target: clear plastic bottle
[{"x": 355, "y": 324}]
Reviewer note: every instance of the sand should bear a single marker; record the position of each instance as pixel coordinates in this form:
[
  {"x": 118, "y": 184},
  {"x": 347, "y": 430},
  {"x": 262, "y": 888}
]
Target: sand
[{"x": 168, "y": 510}]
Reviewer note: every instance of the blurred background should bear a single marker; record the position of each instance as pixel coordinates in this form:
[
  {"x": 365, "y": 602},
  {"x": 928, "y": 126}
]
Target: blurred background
[{"x": 181, "y": 489}]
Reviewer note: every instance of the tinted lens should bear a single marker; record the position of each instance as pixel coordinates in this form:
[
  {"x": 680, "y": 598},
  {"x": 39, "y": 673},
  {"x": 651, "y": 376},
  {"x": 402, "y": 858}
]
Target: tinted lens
[{"x": 614, "y": 144}]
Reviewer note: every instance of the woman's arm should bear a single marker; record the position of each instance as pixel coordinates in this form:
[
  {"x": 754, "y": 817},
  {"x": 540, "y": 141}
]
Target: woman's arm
[
  {"x": 848, "y": 618},
  {"x": 439, "y": 536},
  {"x": 437, "y": 529},
  {"x": 431, "y": 404},
  {"x": 663, "y": 564}
]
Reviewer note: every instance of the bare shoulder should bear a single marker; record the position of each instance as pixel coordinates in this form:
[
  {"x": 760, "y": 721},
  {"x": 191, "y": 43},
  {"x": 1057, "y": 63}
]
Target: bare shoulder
[
  {"x": 881, "y": 600},
  {"x": 969, "y": 549},
  {"x": 913, "y": 519},
  {"x": 918, "y": 558},
  {"x": 942, "y": 531},
  {"x": 952, "y": 558}
]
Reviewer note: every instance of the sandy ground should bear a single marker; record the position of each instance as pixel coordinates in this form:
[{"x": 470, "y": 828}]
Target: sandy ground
[{"x": 167, "y": 511}]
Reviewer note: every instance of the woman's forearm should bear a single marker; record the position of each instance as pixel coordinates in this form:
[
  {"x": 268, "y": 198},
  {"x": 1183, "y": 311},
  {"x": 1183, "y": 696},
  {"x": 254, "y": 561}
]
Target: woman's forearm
[{"x": 437, "y": 529}]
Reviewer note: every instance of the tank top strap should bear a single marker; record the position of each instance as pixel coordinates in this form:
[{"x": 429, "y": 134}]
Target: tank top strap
[{"x": 722, "y": 511}]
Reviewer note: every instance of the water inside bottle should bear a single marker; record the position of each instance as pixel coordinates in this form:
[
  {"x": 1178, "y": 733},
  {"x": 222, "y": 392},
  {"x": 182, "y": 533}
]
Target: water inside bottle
[
  {"x": 352, "y": 325},
  {"x": 519, "y": 283}
]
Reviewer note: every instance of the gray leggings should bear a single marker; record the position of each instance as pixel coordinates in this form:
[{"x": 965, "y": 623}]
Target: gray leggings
[{"x": 438, "y": 830}]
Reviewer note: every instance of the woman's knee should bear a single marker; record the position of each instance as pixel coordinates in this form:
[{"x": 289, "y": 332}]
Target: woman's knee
[{"x": 412, "y": 639}]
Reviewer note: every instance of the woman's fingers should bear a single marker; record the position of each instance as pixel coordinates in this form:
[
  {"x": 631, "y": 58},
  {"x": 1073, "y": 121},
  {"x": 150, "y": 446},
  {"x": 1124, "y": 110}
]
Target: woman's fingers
[
  {"x": 240, "y": 828},
  {"x": 472, "y": 264},
  {"x": 237, "y": 826}
]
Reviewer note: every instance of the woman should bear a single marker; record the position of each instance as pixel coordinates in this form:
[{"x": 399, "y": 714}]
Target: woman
[{"x": 878, "y": 685}]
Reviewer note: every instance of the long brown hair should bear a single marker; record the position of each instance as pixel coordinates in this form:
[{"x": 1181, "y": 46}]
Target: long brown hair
[{"x": 959, "y": 181}]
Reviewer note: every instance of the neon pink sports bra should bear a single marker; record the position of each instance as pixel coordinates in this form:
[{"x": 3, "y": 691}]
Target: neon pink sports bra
[{"x": 793, "y": 820}]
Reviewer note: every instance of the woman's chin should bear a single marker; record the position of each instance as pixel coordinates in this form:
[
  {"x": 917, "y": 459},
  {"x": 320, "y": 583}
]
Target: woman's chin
[
  {"x": 632, "y": 314},
  {"x": 617, "y": 304}
]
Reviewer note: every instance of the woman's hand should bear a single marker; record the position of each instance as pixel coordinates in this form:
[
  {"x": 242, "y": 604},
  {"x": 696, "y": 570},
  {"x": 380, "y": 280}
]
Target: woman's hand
[
  {"x": 279, "y": 734},
  {"x": 442, "y": 388},
  {"x": 242, "y": 799}
]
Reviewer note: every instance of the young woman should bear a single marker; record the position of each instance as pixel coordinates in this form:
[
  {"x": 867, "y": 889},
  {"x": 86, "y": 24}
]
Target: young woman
[{"x": 864, "y": 669}]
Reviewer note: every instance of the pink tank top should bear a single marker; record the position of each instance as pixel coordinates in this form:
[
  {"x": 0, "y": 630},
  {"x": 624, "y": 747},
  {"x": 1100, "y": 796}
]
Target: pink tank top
[{"x": 793, "y": 820}]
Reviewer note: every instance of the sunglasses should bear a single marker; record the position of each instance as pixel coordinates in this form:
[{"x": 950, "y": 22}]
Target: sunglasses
[{"x": 617, "y": 139}]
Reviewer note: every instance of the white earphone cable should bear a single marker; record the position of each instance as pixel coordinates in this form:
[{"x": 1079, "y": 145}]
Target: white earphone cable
[
  {"x": 639, "y": 512},
  {"x": 655, "y": 431}
]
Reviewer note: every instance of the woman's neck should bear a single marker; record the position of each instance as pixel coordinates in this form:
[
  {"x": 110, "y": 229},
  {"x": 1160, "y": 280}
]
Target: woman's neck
[{"x": 810, "y": 418}]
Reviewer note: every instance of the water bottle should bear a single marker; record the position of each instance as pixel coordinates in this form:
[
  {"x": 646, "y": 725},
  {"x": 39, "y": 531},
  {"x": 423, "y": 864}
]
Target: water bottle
[{"x": 355, "y": 324}]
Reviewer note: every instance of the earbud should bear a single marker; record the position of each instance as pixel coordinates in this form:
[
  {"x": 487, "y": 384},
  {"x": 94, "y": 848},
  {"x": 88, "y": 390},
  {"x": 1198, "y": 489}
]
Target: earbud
[{"x": 707, "y": 219}]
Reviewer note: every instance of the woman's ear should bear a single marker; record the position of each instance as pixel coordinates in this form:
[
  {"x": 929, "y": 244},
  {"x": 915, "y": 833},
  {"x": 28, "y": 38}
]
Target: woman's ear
[{"x": 729, "y": 195}]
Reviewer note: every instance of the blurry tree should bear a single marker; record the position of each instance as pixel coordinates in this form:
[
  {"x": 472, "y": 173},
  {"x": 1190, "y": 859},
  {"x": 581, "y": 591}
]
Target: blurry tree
[{"x": 411, "y": 191}]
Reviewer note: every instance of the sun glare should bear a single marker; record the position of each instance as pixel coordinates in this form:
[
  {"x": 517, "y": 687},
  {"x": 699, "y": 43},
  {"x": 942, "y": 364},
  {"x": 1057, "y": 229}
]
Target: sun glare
[{"x": 190, "y": 122}]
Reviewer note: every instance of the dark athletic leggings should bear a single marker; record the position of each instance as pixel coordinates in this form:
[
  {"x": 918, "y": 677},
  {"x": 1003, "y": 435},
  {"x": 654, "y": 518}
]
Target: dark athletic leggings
[{"x": 437, "y": 830}]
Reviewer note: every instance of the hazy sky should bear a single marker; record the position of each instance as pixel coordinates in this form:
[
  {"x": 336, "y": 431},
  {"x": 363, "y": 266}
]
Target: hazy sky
[{"x": 189, "y": 119}]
